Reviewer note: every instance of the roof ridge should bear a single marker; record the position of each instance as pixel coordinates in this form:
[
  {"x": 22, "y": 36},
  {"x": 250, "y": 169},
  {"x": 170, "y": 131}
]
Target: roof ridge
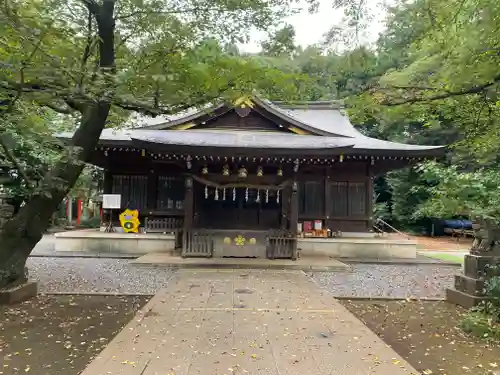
[{"x": 311, "y": 104}]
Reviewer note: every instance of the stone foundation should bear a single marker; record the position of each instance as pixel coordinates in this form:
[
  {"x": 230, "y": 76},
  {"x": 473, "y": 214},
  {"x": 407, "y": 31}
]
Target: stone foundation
[
  {"x": 118, "y": 243},
  {"x": 358, "y": 247},
  {"x": 462, "y": 299},
  {"x": 145, "y": 243}
]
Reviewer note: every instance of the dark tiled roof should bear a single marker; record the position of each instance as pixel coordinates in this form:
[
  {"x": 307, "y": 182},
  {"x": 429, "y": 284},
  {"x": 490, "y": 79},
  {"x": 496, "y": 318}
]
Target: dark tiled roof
[
  {"x": 240, "y": 139},
  {"x": 326, "y": 119}
]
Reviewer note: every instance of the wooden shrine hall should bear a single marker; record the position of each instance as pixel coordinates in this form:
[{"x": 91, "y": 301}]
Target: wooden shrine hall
[{"x": 248, "y": 179}]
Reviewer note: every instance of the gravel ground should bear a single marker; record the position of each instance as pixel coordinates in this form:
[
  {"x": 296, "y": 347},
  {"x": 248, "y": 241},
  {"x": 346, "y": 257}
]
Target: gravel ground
[
  {"x": 383, "y": 280},
  {"x": 82, "y": 275}
]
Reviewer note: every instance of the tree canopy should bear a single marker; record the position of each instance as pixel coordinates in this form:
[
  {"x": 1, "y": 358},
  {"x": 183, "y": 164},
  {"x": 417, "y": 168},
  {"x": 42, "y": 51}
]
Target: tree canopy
[{"x": 96, "y": 61}]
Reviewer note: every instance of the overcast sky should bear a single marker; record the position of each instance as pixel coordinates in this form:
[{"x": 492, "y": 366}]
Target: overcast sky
[{"x": 310, "y": 28}]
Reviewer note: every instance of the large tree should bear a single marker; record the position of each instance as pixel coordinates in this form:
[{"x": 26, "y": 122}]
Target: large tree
[{"x": 96, "y": 60}]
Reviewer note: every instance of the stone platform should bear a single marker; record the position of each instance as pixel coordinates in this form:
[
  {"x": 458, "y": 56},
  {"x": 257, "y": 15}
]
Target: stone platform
[
  {"x": 362, "y": 245},
  {"x": 212, "y": 322},
  {"x": 95, "y": 241},
  {"x": 306, "y": 263},
  {"x": 352, "y": 245}
]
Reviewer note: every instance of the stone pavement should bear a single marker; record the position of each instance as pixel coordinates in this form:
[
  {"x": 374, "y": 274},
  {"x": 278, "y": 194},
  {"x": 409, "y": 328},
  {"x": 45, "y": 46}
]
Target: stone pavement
[{"x": 262, "y": 322}]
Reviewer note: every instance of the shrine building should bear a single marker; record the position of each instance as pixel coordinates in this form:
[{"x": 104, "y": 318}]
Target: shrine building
[{"x": 251, "y": 178}]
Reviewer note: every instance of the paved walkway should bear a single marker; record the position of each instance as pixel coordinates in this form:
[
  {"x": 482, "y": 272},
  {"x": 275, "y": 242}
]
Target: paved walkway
[{"x": 215, "y": 322}]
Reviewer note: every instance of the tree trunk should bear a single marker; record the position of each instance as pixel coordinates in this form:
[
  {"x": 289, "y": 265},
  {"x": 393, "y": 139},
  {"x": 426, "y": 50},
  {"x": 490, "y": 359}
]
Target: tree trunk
[{"x": 21, "y": 233}]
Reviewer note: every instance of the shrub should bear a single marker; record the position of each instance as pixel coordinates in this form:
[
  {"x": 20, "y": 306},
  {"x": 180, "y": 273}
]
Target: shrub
[
  {"x": 479, "y": 324},
  {"x": 94, "y": 222}
]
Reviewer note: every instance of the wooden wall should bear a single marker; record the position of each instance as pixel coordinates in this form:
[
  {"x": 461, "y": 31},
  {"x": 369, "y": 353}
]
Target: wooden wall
[
  {"x": 341, "y": 195},
  {"x": 252, "y": 122}
]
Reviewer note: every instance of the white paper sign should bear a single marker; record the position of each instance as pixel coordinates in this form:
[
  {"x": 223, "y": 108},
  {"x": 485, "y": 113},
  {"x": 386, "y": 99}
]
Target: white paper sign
[
  {"x": 318, "y": 225},
  {"x": 111, "y": 201}
]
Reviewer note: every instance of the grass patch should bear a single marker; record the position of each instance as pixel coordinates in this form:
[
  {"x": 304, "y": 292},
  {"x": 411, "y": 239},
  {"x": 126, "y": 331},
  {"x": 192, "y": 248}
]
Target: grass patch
[
  {"x": 480, "y": 325},
  {"x": 451, "y": 258}
]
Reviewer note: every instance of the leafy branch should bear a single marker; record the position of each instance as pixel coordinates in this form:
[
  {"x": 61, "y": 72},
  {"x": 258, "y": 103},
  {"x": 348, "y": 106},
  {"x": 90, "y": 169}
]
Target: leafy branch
[
  {"x": 75, "y": 100},
  {"x": 13, "y": 99},
  {"x": 173, "y": 11},
  {"x": 443, "y": 94}
]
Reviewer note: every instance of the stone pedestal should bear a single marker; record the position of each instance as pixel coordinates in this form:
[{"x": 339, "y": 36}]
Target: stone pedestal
[{"x": 469, "y": 288}]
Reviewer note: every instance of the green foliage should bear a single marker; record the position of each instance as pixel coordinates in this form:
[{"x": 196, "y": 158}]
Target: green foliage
[
  {"x": 92, "y": 223},
  {"x": 435, "y": 81},
  {"x": 381, "y": 210},
  {"x": 484, "y": 321},
  {"x": 30, "y": 149},
  {"x": 480, "y": 325},
  {"x": 492, "y": 291},
  {"x": 281, "y": 43},
  {"x": 165, "y": 57},
  {"x": 454, "y": 192}
]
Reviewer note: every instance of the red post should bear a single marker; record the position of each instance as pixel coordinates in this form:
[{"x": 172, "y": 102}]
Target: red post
[{"x": 79, "y": 212}]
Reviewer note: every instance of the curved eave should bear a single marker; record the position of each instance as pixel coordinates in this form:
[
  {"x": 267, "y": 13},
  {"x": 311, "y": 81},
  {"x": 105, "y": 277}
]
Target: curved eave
[
  {"x": 380, "y": 147},
  {"x": 276, "y": 142},
  {"x": 240, "y": 141}
]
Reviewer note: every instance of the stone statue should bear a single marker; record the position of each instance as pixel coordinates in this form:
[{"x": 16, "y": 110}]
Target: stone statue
[{"x": 486, "y": 237}]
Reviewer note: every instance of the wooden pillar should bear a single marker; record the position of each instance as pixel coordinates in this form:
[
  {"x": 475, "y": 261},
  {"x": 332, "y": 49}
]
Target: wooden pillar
[
  {"x": 285, "y": 213},
  {"x": 182, "y": 237},
  {"x": 369, "y": 198},
  {"x": 108, "y": 183},
  {"x": 328, "y": 199},
  {"x": 294, "y": 216},
  {"x": 188, "y": 204}
]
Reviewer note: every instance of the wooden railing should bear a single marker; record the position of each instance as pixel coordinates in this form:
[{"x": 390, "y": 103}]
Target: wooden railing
[
  {"x": 282, "y": 244},
  {"x": 162, "y": 225},
  {"x": 197, "y": 243}
]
